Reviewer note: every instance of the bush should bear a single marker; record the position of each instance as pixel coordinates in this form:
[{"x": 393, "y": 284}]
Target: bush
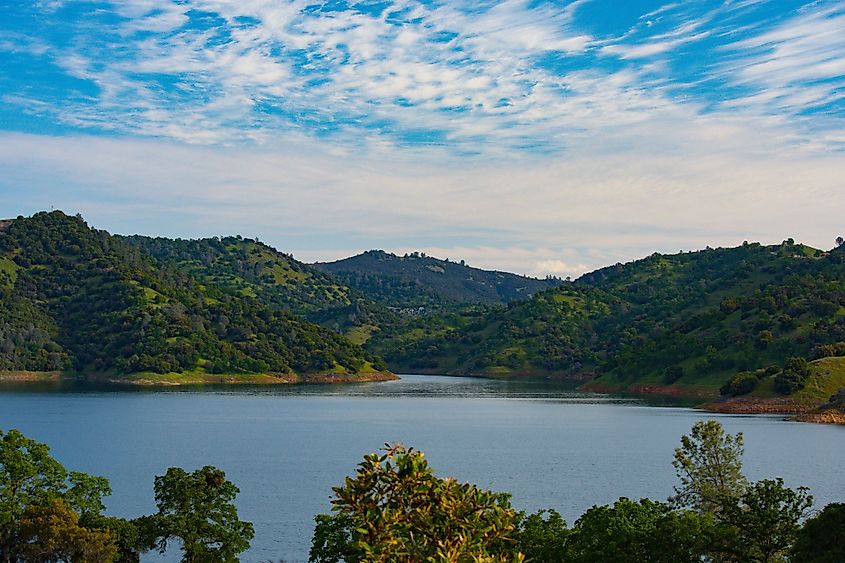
[
  {"x": 793, "y": 377},
  {"x": 742, "y": 383}
]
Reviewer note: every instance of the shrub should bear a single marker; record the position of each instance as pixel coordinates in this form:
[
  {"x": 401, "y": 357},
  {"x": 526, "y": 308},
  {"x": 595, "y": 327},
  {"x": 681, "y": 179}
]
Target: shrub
[{"x": 742, "y": 383}]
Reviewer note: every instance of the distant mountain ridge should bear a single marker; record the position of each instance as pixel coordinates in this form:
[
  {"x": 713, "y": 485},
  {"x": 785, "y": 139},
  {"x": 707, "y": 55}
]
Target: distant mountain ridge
[{"x": 417, "y": 280}]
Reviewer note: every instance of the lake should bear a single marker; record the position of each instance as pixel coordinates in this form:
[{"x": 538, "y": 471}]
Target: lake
[{"x": 286, "y": 446}]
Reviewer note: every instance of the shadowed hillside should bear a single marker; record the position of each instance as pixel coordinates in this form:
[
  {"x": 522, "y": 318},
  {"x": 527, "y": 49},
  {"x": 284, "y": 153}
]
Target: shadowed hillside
[{"x": 420, "y": 281}]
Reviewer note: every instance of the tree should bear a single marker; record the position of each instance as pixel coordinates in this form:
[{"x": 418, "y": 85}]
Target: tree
[
  {"x": 542, "y": 537},
  {"x": 644, "y": 531},
  {"x": 198, "y": 509},
  {"x": 840, "y": 241},
  {"x": 52, "y": 532},
  {"x": 822, "y": 539},
  {"x": 709, "y": 466},
  {"x": 44, "y": 507},
  {"x": 396, "y": 509},
  {"x": 793, "y": 377},
  {"x": 28, "y": 476},
  {"x": 742, "y": 383},
  {"x": 763, "y": 523}
]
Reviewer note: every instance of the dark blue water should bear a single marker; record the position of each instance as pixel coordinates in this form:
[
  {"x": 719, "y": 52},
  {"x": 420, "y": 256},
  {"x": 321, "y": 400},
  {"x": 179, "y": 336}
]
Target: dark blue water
[{"x": 285, "y": 447}]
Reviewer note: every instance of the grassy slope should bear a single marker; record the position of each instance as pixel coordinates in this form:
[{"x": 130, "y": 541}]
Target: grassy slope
[{"x": 827, "y": 376}]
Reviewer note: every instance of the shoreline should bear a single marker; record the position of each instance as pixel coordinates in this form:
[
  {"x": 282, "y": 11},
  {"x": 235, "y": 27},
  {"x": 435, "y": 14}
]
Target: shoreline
[
  {"x": 178, "y": 379},
  {"x": 800, "y": 411}
]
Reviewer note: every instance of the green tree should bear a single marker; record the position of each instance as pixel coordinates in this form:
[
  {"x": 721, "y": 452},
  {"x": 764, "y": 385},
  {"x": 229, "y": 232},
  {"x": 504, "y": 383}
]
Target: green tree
[
  {"x": 28, "y": 476},
  {"x": 793, "y": 377},
  {"x": 644, "y": 531},
  {"x": 198, "y": 509},
  {"x": 763, "y": 523},
  {"x": 709, "y": 466},
  {"x": 52, "y": 532},
  {"x": 742, "y": 383},
  {"x": 542, "y": 537},
  {"x": 822, "y": 539},
  {"x": 85, "y": 494},
  {"x": 396, "y": 509}
]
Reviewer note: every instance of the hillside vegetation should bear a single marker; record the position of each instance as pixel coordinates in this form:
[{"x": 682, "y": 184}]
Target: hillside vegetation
[
  {"x": 243, "y": 267},
  {"x": 689, "y": 319},
  {"x": 417, "y": 281},
  {"x": 77, "y": 299}
]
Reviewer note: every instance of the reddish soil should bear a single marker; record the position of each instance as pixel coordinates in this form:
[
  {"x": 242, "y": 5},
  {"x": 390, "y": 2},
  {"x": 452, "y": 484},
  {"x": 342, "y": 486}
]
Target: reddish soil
[{"x": 17, "y": 376}]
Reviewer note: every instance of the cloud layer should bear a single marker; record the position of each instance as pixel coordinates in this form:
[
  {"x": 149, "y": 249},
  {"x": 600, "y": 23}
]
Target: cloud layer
[{"x": 532, "y": 136}]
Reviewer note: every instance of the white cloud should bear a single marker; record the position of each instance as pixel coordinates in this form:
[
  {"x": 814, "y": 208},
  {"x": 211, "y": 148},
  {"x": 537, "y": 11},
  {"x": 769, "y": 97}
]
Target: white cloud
[{"x": 587, "y": 210}]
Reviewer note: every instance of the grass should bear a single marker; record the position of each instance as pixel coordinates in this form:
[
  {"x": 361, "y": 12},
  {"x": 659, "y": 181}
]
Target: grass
[
  {"x": 827, "y": 376},
  {"x": 8, "y": 267},
  {"x": 200, "y": 377},
  {"x": 360, "y": 334}
]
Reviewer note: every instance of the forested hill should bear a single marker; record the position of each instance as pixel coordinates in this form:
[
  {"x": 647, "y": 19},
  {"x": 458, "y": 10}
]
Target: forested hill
[
  {"x": 416, "y": 280},
  {"x": 246, "y": 267},
  {"x": 690, "y": 319},
  {"x": 75, "y": 298}
]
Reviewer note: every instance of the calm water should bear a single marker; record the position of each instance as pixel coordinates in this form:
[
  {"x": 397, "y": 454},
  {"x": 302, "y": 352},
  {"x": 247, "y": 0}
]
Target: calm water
[{"x": 285, "y": 447}]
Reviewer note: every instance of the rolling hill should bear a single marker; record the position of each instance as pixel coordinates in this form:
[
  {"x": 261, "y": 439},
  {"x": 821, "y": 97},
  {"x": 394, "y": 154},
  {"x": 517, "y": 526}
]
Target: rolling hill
[
  {"x": 690, "y": 320},
  {"x": 76, "y": 299},
  {"x": 417, "y": 281}
]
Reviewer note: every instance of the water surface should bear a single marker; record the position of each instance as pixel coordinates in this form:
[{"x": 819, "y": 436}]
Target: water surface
[{"x": 286, "y": 446}]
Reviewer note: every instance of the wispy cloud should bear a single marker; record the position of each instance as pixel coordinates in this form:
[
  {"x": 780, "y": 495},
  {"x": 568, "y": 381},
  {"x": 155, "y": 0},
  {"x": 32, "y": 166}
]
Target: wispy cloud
[
  {"x": 589, "y": 210},
  {"x": 515, "y": 134},
  {"x": 796, "y": 67},
  {"x": 477, "y": 77}
]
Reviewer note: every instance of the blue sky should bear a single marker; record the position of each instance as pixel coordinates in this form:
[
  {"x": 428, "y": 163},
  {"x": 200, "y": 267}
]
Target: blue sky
[{"x": 540, "y": 137}]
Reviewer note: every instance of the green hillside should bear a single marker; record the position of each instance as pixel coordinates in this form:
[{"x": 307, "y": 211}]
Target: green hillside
[
  {"x": 77, "y": 299},
  {"x": 690, "y": 319},
  {"x": 417, "y": 281},
  {"x": 248, "y": 268}
]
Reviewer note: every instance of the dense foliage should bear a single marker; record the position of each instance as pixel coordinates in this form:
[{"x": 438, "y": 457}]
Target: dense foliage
[
  {"x": 49, "y": 514},
  {"x": 82, "y": 299},
  {"x": 690, "y": 319},
  {"x": 396, "y": 509},
  {"x": 245, "y": 267},
  {"x": 197, "y": 508}
]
